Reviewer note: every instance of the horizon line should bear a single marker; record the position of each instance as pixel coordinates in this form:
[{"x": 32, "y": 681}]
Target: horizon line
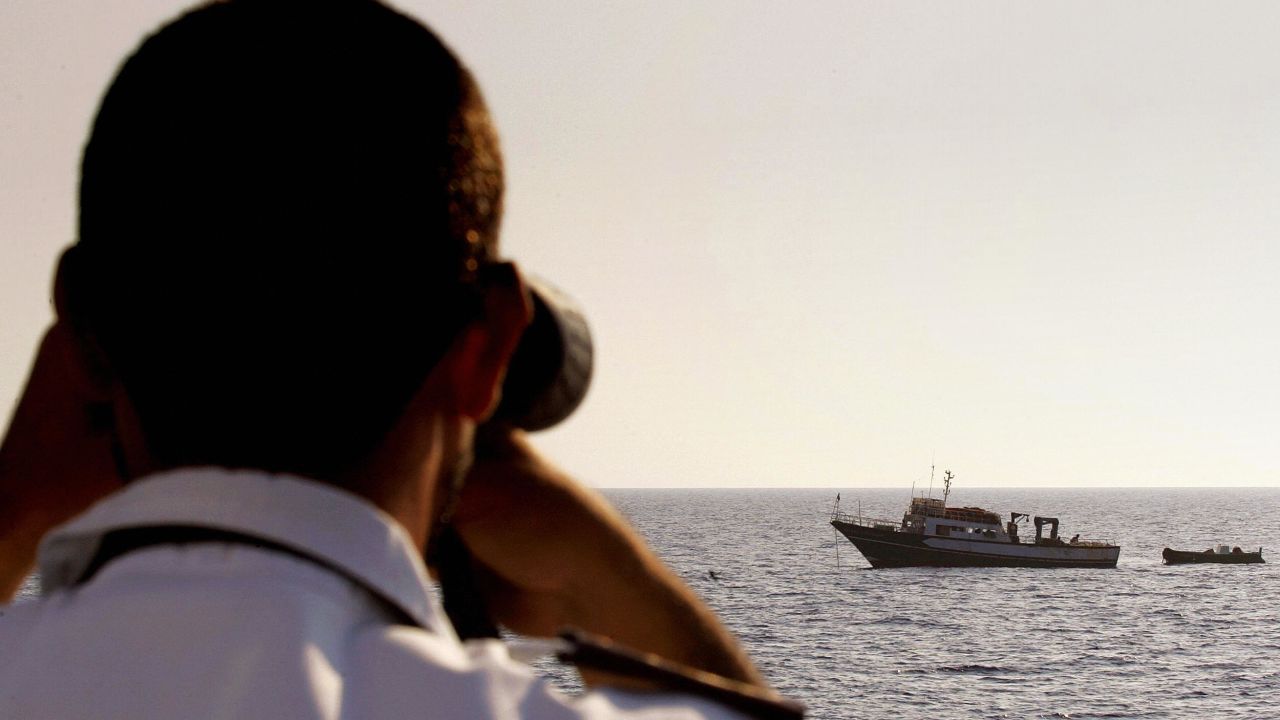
[{"x": 895, "y": 487}]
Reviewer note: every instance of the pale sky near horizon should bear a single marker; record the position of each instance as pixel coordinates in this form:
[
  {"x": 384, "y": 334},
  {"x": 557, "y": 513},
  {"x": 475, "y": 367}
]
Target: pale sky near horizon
[{"x": 827, "y": 244}]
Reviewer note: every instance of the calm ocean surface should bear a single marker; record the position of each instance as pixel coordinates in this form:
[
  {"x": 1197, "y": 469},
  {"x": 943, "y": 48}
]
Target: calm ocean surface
[{"x": 1140, "y": 641}]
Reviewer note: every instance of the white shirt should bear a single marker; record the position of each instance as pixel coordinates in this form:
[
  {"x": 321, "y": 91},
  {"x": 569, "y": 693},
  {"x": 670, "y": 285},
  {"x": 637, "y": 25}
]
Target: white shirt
[{"x": 230, "y": 630}]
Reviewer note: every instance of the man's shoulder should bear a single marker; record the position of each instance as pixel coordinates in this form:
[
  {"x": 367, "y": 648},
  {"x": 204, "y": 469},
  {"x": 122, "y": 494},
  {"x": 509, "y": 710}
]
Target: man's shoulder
[
  {"x": 399, "y": 670},
  {"x": 373, "y": 669}
]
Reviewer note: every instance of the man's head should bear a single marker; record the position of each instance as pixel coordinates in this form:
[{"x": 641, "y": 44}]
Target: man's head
[{"x": 284, "y": 204}]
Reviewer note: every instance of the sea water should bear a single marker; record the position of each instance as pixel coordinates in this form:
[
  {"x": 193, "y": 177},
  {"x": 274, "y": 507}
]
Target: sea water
[{"x": 1142, "y": 640}]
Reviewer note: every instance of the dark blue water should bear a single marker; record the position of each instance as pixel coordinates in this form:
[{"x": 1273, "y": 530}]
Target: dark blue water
[{"x": 1140, "y": 641}]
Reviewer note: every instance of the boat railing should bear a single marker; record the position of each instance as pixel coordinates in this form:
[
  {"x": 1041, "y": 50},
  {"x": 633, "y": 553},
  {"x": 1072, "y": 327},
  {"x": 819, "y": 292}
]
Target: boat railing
[
  {"x": 862, "y": 520},
  {"x": 1089, "y": 542}
]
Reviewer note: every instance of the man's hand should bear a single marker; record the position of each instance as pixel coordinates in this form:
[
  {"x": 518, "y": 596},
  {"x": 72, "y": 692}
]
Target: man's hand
[
  {"x": 554, "y": 554},
  {"x": 56, "y": 458}
]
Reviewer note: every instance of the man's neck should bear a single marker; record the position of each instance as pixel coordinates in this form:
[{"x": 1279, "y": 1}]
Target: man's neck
[{"x": 409, "y": 476}]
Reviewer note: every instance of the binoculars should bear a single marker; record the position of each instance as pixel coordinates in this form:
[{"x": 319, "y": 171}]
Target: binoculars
[{"x": 551, "y": 369}]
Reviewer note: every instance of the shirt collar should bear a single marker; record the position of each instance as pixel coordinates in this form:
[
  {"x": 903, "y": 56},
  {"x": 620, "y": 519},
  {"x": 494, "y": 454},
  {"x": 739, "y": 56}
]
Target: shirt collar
[{"x": 321, "y": 521}]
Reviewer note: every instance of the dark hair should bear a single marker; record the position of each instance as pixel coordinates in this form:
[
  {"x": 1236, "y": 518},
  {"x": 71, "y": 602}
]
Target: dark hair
[{"x": 280, "y": 203}]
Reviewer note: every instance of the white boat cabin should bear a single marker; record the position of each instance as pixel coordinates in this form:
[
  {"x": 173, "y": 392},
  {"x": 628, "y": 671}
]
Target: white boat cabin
[{"x": 929, "y": 516}]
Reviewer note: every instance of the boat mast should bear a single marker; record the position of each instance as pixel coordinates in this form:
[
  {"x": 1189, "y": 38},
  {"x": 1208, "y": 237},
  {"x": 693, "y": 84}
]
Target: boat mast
[{"x": 946, "y": 480}]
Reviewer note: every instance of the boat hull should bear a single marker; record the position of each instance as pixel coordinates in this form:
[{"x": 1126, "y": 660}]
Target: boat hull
[
  {"x": 1185, "y": 557},
  {"x": 885, "y": 548}
]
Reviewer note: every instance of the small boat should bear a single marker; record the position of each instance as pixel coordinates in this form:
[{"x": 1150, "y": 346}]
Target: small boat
[
  {"x": 934, "y": 535},
  {"x": 1219, "y": 554}
]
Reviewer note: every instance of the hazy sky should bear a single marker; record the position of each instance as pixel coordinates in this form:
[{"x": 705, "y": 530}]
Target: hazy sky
[{"x": 822, "y": 245}]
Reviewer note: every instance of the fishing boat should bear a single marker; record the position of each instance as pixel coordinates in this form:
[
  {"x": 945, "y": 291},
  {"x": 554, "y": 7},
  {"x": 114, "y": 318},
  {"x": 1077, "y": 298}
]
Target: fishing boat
[
  {"x": 1218, "y": 554},
  {"x": 932, "y": 534}
]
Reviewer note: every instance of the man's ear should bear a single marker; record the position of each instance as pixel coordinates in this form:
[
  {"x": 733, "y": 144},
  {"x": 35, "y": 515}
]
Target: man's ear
[
  {"x": 92, "y": 370},
  {"x": 476, "y": 363},
  {"x": 61, "y": 281}
]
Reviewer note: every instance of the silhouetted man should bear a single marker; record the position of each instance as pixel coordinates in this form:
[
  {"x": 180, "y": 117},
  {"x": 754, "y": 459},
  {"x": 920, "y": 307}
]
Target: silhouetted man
[{"x": 282, "y": 324}]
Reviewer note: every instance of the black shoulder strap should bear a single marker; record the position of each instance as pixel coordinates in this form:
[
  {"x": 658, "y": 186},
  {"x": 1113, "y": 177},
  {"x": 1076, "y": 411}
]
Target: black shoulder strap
[{"x": 120, "y": 542}]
